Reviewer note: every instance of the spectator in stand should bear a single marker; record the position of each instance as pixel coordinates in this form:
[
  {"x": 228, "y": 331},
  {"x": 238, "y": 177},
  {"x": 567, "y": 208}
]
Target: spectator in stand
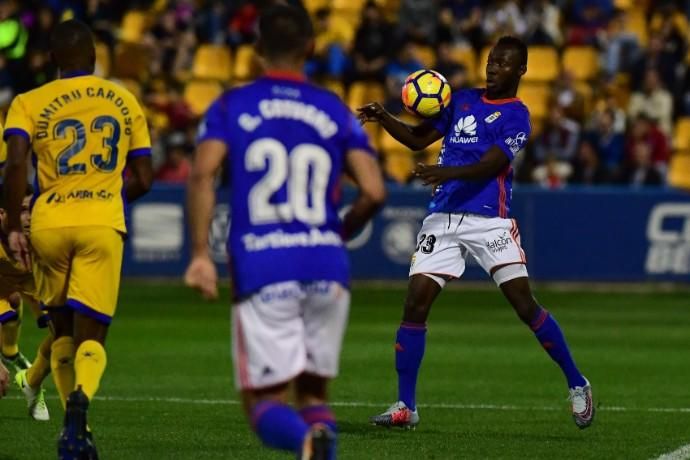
[
  {"x": 242, "y": 27},
  {"x": 655, "y": 57},
  {"x": 331, "y": 44},
  {"x": 6, "y": 91},
  {"x": 568, "y": 97},
  {"x": 543, "y": 23},
  {"x": 39, "y": 32},
  {"x": 555, "y": 148},
  {"x": 640, "y": 171},
  {"x": 372, "y": 44},
  {"x": 466, "y": 22},
  {"x": 587, "y": 167},
  {"x": 619, "y": 47},
  {"x": 587, "y": 19},
  {"x": 455, "y": 73},
  {"x": 644, "y": 131},
  {"x": 609, "y": 144},
  {"x": 397, "y": 71},
  {"x": 654, "y": 101},
  {"x": 503, "y": 18},
  {"x": 165, "y": 41},
  {"x": 177, "y": 166},
  {"x": 418, "y": 19}
]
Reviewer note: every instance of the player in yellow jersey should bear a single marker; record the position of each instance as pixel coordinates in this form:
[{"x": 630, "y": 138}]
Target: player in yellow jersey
[
  {"x": 83, "y": 132},
  {"x": 16, "y": 281},
  {"x": 11, "y": 309}
]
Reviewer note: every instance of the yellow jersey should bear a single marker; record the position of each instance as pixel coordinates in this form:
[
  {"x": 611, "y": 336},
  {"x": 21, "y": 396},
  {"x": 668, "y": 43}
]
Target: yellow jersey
[{"x": 82, "y": 130}]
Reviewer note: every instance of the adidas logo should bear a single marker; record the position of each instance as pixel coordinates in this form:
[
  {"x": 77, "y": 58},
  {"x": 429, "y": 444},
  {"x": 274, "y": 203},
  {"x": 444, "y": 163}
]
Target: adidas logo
[{"x": 466, "y": 125}]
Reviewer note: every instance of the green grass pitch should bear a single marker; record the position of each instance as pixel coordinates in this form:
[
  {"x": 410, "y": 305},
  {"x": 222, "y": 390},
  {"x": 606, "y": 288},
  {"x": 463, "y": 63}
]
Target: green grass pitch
[{"x": 487, "y": 390}]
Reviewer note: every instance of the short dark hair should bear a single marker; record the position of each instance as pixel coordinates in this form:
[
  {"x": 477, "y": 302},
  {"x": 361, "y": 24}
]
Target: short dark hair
[
  {"x": 284, "y": 31},
  {"x": 29, "y": 191},
  {"x": 515, "y": 43},
  {"x": 72, "y": 45}
]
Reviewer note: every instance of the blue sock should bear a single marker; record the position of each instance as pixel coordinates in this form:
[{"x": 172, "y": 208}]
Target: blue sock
[
  {"x": 409, "y": 351},
  {"x": 549, "y": 334},
  {"x": 279, "y": 426},
  {"x": 320, "y": 414}
]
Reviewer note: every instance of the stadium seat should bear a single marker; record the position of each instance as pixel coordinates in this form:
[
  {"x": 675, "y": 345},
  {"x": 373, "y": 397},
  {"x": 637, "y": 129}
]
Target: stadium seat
[
  {"x": 481, "y": 64},
  {"x": 212, "y": 62},
  {"x": 313, "y": 5},
  {"x": 536, "y": 97},
  {"x": 581, "y": 61},
  {"x": 543, "y": 64},
  {"x": 465, "y": 55},
  {"x": 362, "y": 92},
  {"x": 103, "y": 60},
  {"x": 336, "y": 86},
  {"x": 132, "y": 60},
  {"x": 432, "y": 152},
  {"x": 374, "y": 132},
  {"x": 199, "y": 94},
  {"x": 245, "y": 66},
  {"x": 133, "y": 26},
  {"x": 681, "y": 135},
  {"x": 623, "y": 4},
  {"x": 679, "y": 170},
  {"x": 637, "y": 24},
  {"x": 426, "y": 55}
]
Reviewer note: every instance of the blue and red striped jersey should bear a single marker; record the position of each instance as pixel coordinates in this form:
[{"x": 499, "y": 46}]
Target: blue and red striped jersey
[{"x": 471, "y": 125}]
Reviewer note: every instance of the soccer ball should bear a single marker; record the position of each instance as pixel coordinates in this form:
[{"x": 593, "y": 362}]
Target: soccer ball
[{"x": 425, "y": 93}]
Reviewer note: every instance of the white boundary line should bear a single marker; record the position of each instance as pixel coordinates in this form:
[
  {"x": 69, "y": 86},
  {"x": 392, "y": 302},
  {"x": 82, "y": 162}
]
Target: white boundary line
[
  {"x": 451, "y": 406},
  {"x": 682, "y": 453}
]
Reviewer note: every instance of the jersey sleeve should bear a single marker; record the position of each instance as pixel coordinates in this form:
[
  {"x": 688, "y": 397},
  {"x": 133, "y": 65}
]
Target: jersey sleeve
[
  {"x": 357, "y": 138},
  {"x": 513, "y": 133},
  {"x": 19, "y": 120},
  {"x": 140, "y": 142},
  {"x": 214, "y": 125}
]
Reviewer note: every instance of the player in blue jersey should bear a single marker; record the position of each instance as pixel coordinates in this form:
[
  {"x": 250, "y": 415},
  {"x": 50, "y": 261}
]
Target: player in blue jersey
[
  {"x": 287, "y": 144},
  {"x": 483, "y": 130}
]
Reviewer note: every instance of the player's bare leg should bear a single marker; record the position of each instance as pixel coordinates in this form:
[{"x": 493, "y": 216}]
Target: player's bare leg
[
  {"x": 409, "y": 350},
  {"x": 280, "y": 426},
  {"x": 312, "y": 400},
  {"x": 549, "y": 334}
]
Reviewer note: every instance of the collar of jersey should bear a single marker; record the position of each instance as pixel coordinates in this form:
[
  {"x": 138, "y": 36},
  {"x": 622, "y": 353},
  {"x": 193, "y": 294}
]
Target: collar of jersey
[
  {"x": 285, "y": 75},
  {"x": 76, "y": 73},
  {"x": 499, "y": 101}
]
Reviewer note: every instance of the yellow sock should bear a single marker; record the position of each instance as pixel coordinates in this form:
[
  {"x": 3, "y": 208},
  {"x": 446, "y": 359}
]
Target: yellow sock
[
  {"x": 89, "y": 365},
  {"x": 40, "y": 368},
  {"x": 10, "y": 330},
  {"x": 10, "y": 338},
  {"x": 62, "y": 365}
]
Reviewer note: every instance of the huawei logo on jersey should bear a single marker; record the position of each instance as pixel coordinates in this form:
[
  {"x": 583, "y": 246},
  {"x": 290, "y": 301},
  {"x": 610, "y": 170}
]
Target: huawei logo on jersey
[
  {"x": 465, "y": 131},
  {"x": 466, "y": 125}
]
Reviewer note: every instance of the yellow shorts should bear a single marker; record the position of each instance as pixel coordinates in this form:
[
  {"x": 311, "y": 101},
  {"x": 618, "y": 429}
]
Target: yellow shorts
[
  {"x": 7, "y": 313},
  {"x": 79, "y": 267}
]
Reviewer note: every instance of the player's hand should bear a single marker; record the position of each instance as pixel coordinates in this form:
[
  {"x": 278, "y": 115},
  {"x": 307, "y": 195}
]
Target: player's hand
[
  {"x": 201, "y": 275},
  {"x": 370, "y": 112},
  {"x": 433, "y": 174},
  {"x": 19, "y": 245},
  {"x": 4, "y": 380}
]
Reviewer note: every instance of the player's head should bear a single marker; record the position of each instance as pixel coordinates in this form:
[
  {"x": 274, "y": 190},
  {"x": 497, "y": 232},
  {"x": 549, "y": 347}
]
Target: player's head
[
  {"x": 286, "y": 35},
  {"x": 507, "y": 63},
  {"x": 26, "y": 211},
  {"x": 72, "y": 46}
]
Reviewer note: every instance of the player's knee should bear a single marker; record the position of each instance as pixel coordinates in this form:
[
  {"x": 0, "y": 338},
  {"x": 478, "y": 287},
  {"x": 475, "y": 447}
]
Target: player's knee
[
  {"x": 15, "y": 300},
  {"x": 416, "y": 311}
]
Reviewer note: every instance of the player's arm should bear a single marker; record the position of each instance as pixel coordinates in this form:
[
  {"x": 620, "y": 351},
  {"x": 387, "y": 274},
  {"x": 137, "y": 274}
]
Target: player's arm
[
  {"x": 201, "y": 199},
  {"x": 141, "y": 179},
  {"x": 15, "y": 189},
  {"x": 364, "y": 169},
  {"x": 489, "y": 166},
  {"x": 414, "y": 137}
]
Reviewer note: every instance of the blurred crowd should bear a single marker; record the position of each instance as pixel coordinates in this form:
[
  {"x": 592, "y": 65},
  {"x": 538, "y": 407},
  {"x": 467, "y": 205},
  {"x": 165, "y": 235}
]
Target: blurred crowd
[{"x": 616, "y": 113}]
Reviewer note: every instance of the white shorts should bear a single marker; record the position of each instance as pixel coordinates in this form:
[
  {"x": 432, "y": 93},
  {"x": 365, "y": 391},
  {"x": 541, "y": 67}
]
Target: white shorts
[
  {"x": 445, "y": 240},
  {"x": 288, "y": 328}
]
